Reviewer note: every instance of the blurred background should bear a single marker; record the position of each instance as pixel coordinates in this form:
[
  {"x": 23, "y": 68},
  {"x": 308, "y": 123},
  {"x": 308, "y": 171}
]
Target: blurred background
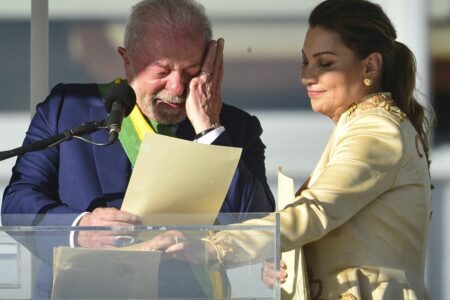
[{"x": 263, "y": 41}]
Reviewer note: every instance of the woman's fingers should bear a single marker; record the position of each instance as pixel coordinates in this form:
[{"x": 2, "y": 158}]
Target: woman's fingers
[{"x": 269, "y": 276}]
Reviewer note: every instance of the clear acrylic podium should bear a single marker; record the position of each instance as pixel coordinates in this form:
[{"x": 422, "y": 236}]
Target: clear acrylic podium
[{"x": 45, "y": 262}]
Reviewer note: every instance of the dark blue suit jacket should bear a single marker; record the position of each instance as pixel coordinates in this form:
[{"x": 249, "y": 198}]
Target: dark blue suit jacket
[{"x": 75, "y": 176}]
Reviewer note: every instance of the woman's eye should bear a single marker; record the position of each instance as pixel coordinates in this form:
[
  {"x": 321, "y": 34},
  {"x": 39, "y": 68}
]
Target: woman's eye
[{"x": 325, "y": 64}]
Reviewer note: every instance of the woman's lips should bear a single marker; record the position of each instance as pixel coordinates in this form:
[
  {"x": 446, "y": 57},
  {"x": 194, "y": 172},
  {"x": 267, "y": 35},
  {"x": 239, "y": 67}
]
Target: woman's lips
[{"x": 313, "y": 93}]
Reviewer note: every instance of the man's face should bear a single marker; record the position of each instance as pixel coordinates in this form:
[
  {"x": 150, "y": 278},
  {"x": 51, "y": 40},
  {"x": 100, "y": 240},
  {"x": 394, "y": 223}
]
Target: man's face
[{"x": 160, "y": 75}]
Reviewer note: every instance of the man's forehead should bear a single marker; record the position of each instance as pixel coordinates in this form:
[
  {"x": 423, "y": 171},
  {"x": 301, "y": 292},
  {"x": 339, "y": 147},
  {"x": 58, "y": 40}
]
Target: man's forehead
[
  {"x": 187, "y": 51},
  {"x": 172, "y": 64}
]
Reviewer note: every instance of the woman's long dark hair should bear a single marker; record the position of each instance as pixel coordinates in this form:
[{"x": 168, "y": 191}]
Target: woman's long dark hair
[{"x": 365, "y": 28}]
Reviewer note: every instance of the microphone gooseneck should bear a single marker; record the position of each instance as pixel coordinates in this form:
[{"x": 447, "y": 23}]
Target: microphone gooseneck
[{"x": 119, "y": 101}]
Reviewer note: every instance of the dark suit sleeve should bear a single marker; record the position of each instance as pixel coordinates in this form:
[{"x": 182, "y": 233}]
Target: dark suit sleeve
[
  {"x": 249, "y": 191},
  {"x": 31, "y": 198},
  {"x": 33, "y": 188}
]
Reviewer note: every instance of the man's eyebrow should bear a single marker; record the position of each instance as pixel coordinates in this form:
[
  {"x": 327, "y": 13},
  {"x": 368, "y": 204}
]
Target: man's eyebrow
[
  {"x": 165, "y": 64},
  {"x": 194, "y": 65}
]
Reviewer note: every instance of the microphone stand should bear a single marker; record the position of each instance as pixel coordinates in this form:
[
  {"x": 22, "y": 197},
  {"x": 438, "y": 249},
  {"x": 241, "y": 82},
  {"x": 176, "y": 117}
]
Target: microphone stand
[{"x": 67, "y": 135}]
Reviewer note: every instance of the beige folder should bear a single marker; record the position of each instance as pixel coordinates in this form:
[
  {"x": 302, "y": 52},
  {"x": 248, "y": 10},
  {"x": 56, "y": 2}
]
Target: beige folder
[
  {"x": 82, "y": 273},
  {"x": 296, "y": 285}
]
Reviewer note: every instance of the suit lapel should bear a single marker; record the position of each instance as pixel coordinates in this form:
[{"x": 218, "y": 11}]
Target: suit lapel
[
  {"x": 185, "y": 131},
  {"x": 111, "y": 162}
]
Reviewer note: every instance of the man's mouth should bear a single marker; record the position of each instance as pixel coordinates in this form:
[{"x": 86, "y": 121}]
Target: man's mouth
[{"x": 169, "y": 104}]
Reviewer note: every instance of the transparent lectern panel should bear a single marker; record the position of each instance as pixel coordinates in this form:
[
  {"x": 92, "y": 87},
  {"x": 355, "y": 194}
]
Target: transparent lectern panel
[
  {"x": 9, "y": 258},
  {"x": 155, "y": 260}
]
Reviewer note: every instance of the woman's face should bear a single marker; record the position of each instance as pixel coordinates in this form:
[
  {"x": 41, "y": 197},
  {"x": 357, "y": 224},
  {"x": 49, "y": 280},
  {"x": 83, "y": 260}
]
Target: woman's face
[{"x": 331, "y": 72}]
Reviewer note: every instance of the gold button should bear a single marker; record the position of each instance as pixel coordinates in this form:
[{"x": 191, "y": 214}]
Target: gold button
[{"x": 347, "y": 296}]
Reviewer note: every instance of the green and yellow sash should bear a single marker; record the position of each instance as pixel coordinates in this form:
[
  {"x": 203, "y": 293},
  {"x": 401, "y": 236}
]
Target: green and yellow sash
[
  {"x": 134, "y": 127},
  {"x": 214, "y": 284}
]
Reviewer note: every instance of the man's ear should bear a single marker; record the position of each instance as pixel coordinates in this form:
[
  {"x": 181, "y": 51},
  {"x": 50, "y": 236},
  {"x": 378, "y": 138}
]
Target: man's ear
[
  {"x": 373, "y": 65},
  {"x": 123, "y": 53},
  {"x": 126, "y": 62}
]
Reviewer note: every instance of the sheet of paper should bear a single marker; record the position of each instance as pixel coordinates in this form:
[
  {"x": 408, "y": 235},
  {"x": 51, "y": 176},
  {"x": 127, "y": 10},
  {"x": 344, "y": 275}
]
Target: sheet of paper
[
  {"x": 81, "y": 273},
  {"x": 296, "y": 285},
  {"x": 178, "y": 182}
]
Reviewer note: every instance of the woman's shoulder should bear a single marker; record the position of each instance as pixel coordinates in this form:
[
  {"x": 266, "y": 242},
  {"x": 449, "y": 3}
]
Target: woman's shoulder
[
  {"x": 377, "y": 120},
  {"x": 380, "y": 107}
]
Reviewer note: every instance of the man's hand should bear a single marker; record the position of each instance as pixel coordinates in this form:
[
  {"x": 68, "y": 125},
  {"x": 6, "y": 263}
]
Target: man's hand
[
  {"x": 101, "y": 216},
  {"x": 268, "y": 275},
  {"x": 204, "y": 99}
]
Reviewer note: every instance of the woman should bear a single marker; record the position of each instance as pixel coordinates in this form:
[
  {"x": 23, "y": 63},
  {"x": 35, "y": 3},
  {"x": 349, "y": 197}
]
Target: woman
[{"x": 364, "y": 215}]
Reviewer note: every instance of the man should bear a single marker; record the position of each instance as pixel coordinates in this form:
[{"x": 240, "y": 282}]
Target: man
[{"x": 175, "y": 69}]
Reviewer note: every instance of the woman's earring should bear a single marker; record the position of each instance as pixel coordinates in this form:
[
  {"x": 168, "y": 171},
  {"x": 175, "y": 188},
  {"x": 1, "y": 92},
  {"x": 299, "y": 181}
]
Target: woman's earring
[{"x": 367, "y": 82}]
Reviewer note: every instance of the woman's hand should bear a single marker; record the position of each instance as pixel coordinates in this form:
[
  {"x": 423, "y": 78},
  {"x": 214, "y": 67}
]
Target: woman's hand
[{"x": 268, "y": 275}]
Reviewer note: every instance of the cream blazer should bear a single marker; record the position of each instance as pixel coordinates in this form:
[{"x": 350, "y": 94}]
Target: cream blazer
[{"x": 363, "y": 219}]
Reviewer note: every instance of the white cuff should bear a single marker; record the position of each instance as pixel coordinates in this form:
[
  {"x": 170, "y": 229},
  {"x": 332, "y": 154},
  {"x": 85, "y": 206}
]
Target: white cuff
[
  {"x": 72, "y": 233},
  {"x": 211, "y": 136}
]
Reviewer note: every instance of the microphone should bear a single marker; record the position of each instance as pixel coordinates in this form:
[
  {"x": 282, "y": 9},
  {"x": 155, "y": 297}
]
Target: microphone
[{"x": 119, "y": 101}]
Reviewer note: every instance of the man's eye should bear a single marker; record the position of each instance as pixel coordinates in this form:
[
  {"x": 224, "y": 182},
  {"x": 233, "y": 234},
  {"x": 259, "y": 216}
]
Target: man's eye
[
  {"x": 304, "y": 62},
  {"x": 189, "y": 76}
]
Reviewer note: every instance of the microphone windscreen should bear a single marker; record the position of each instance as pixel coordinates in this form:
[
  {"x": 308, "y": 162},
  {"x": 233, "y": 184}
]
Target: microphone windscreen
[{"x": 122, "y": 93}]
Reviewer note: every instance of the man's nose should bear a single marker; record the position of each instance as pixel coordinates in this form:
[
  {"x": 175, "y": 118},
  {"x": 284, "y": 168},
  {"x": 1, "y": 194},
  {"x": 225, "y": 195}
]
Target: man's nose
[{"x": 175, "y": 84}]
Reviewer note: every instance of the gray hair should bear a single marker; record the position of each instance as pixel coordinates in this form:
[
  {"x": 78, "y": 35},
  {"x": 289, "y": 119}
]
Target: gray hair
[{"x": 164, "y": 16}]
